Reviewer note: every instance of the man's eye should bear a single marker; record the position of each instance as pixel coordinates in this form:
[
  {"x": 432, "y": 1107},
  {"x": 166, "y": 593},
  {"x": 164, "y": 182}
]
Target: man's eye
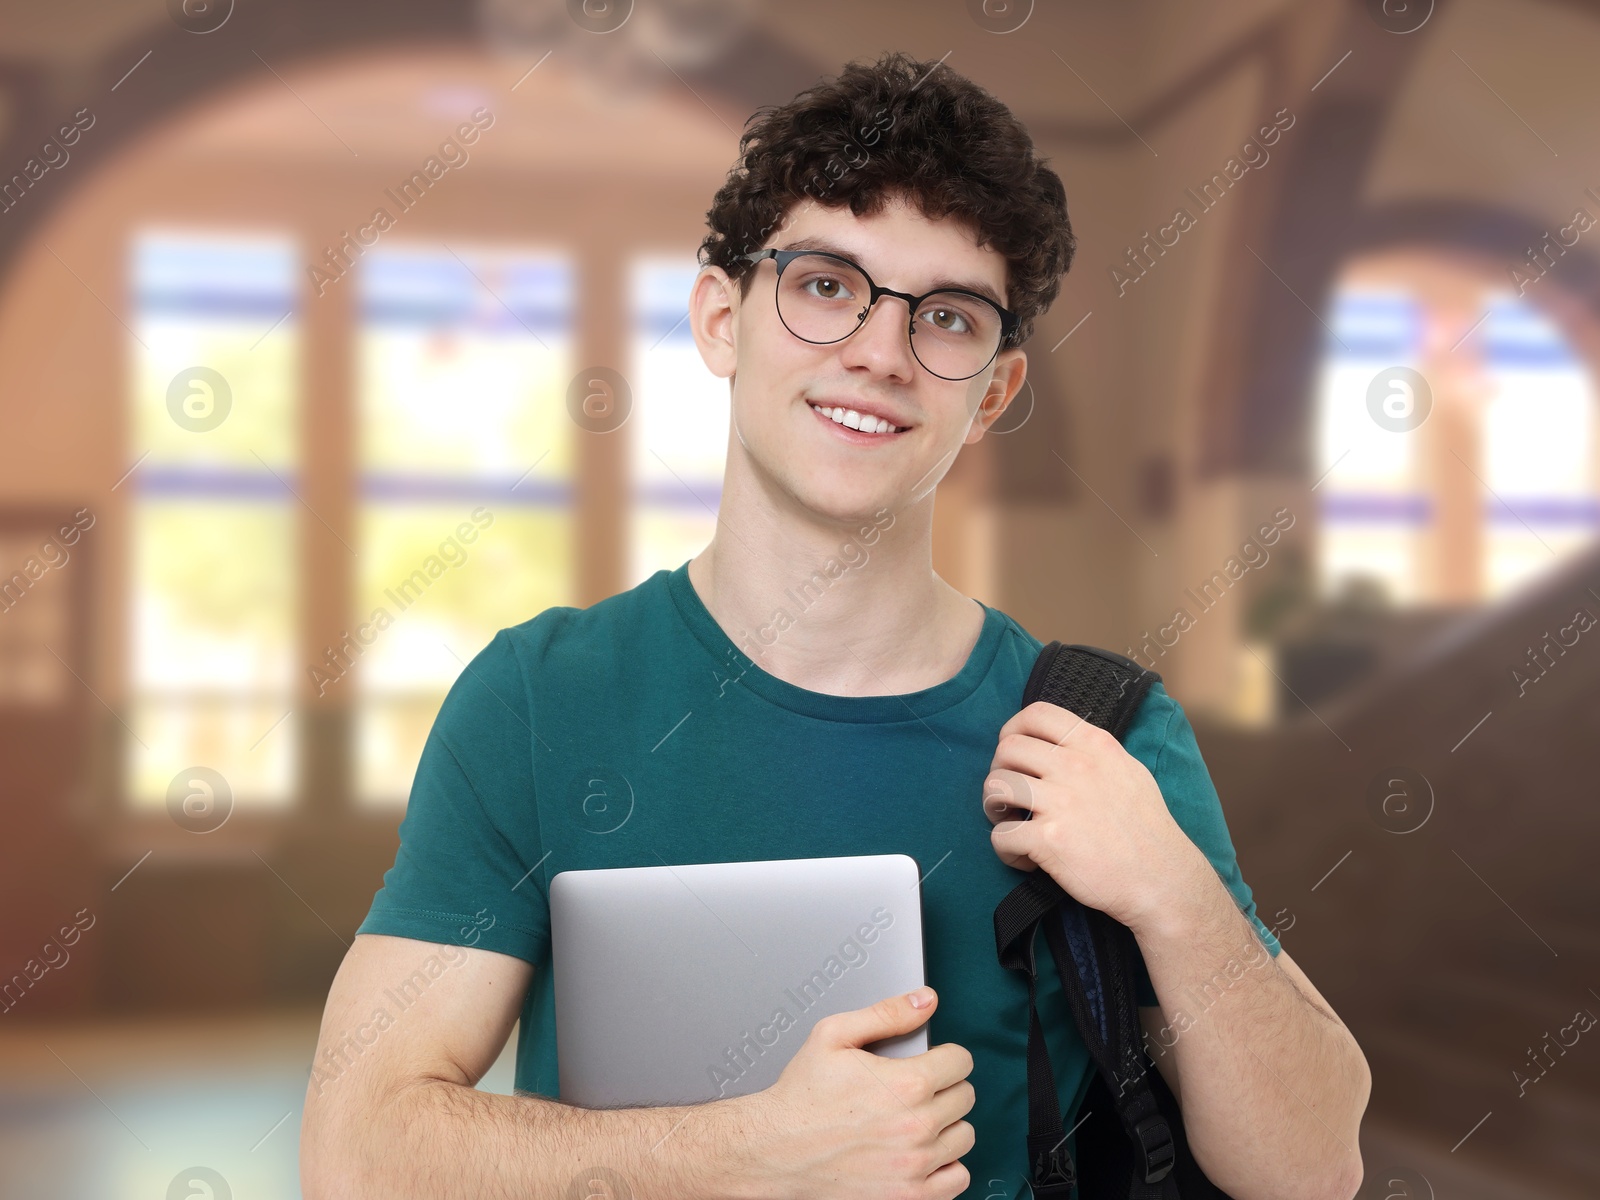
[
  {"x": 828, "y": 289},
  {"x": 948, "y": 320}
]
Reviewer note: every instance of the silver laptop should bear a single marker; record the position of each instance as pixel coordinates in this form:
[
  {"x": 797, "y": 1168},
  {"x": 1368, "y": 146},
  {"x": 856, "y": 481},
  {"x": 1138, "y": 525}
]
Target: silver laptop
[{"x": 680, "y": 984}]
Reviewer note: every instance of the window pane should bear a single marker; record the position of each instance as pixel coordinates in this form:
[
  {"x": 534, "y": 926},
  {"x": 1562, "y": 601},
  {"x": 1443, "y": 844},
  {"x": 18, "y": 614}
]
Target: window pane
[
  {"x": 466, "y": 480},
  {"x": 256, "y": 741},
  {"x": 213, "y": 565},
  {"x": 210, "y": 302},
  {"x": 1373, "y": 514},
  {"x": 464, "y": 364},
  {"x": 440, "y": 598},
  {"x": 679, "y": 427},
  {"x": 213, "y": 610},
  {"x": 1537, "y": 446}
]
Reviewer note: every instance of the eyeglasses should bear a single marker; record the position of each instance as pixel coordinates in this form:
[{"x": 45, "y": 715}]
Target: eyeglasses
[{"x": 822, "y": 298}]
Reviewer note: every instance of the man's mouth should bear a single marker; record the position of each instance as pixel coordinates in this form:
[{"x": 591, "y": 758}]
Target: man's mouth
[{"x": 856, "y": 422}]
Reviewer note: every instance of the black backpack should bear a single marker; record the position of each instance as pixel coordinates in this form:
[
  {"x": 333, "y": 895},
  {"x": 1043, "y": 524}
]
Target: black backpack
[{"x": 1131, "y": 1143}]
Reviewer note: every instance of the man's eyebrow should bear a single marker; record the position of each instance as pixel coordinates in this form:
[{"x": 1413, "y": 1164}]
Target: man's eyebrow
[{"x": 823, "y": 244}]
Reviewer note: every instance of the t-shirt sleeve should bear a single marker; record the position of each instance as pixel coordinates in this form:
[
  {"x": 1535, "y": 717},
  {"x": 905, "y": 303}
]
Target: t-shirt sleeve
[
  {"x": 1163, "y": 739},
  {"x": 469, "y": 843}
]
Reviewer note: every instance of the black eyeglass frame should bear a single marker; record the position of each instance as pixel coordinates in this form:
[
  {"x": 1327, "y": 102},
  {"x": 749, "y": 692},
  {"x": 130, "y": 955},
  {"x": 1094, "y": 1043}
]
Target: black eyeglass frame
[{"x": 782, "y": 258}]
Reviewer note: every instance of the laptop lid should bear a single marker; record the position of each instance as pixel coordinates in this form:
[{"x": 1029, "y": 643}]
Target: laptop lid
[{"x": 680, "y": 984}]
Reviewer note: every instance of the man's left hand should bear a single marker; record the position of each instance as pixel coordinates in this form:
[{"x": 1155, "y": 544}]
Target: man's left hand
[{"x": 1065, "y": 795}]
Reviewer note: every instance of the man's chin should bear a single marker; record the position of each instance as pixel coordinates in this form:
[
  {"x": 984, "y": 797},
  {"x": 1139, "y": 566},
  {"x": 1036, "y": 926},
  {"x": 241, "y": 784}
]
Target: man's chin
[{"x": 851, "y": 515}]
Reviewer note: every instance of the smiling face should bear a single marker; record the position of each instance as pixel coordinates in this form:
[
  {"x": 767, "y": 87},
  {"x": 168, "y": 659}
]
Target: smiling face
[{"x": 781, "y": 436}]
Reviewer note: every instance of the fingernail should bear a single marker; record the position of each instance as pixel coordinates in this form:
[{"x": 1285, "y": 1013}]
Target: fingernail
[{"x": 921, "y": 998}]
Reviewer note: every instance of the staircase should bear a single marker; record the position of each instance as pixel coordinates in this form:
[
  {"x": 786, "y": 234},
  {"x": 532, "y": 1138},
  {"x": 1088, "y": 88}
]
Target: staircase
[{"x": 1458, "y": 948}]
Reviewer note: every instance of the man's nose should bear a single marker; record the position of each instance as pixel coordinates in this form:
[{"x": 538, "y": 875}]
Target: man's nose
[{"x": 885, "y": 332}]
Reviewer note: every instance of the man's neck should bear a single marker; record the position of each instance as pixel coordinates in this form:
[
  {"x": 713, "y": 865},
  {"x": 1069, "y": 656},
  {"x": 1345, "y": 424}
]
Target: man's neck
[{"x": 882, "y": 623}]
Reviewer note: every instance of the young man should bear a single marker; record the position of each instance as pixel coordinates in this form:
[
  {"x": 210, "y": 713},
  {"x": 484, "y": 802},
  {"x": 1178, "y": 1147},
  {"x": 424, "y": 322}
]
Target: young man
[{"x": 807, "y": 686}]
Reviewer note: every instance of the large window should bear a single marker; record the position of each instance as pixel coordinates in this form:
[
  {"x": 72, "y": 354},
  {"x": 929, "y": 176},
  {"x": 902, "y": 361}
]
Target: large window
[
  {"x": 1538, "y": 442},
  {"x": 465, "y": 476},
  {"x": 214, "y": 434},
  {"x": 1373, "y": 508},
  {"x": 679, "y": 424},
  {"x": 1491, "y": 485}
]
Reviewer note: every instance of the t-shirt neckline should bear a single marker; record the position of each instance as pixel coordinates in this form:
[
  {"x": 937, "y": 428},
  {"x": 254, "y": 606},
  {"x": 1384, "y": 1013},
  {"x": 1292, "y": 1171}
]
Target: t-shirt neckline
[{"x": 736, "y": 666}]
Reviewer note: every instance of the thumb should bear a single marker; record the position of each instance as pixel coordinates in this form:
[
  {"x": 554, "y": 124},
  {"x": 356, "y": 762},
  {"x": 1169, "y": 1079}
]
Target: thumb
[{"x": 888, "y": 1017}]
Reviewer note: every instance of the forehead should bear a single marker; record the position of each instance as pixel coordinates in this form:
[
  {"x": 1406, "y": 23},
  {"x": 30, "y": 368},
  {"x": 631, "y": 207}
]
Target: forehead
[{"x": 900, "y": 246}]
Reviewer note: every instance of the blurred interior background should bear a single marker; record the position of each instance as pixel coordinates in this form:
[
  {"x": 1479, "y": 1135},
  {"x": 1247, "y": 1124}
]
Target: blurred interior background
[{"x": 241, "y": 415}]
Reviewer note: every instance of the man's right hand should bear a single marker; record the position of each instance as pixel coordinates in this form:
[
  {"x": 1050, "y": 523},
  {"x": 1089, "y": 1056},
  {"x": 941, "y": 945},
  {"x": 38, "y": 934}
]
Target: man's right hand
[{"x": 842, "y": 1123}]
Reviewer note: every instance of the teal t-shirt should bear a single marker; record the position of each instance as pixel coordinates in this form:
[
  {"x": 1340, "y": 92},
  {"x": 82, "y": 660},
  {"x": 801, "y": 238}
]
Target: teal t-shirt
[{"x": 635, "y": 732}]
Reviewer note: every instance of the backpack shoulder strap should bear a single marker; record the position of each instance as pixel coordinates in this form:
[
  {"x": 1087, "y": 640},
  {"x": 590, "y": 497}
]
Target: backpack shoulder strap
[
  {"x": 1101, "y": 686},
  {"x": 1094, "y": 955}
]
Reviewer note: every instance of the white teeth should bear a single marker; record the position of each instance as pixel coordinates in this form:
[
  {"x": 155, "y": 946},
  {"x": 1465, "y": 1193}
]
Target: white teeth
[{"x": 855, "y": 420}]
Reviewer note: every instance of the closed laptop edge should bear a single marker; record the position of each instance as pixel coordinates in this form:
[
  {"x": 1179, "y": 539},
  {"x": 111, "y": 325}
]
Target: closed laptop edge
[{"x": 693, "y": 982}]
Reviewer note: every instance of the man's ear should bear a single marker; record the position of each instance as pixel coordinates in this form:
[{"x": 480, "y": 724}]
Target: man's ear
[
  {"x": 713, "y": 310},
  {"x": 986, "y": 405}
]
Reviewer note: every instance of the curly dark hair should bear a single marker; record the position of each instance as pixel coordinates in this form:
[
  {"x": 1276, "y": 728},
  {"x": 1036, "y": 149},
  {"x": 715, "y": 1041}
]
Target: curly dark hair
[{"x": 900, "y": 128}]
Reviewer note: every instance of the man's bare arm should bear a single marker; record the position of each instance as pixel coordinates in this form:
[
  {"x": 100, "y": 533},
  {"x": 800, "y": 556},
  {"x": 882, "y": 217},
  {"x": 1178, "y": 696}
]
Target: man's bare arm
[
  {"x": 1271, "y": 1082},
  {"x": 392, "y": 1109}
]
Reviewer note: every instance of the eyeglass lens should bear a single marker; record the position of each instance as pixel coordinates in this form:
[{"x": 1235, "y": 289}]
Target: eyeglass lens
[{"x": 823, "y": 299}]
